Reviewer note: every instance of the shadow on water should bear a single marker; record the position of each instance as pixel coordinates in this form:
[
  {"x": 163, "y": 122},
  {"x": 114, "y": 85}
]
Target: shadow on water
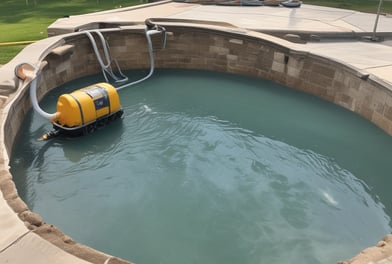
[
  {"x": 74, "y": 149},
  {"x": 101, "y": 141}
]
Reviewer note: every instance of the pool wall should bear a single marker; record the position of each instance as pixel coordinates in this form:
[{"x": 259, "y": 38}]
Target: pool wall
[
  {"x": 188, "y": 47},
  {"x": 218, "y": 50}
]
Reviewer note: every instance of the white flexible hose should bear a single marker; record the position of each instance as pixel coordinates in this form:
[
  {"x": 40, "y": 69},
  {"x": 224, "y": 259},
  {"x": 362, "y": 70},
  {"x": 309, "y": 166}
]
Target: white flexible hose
[
  {"x": 30, "y": 73},
  {"x": 151, "y": 54},
  {"x": 106, "y": 68},
  {"x": 34, "y": 75},
  {"x": 34, "y": 101},
  {"x": 106, "y": 53}
]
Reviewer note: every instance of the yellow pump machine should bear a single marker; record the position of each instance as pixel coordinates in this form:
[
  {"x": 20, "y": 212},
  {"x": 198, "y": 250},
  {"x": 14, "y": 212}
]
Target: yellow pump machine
[
  {"x": 85, "y": 110},
  {"x": 86, "y": 105}
]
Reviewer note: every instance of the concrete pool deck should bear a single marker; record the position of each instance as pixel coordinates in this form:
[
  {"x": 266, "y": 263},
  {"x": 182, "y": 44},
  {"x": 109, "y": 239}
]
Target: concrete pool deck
[
  {"x": 331, "y": 33},
  {"x": 339, "y": 30}
]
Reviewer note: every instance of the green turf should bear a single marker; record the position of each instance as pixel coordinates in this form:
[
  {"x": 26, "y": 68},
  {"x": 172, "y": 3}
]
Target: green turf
[
  {"x": 368, "y": 6},
  {"x": 7, "y": 53},
  {"x": 28, "y": 19}
]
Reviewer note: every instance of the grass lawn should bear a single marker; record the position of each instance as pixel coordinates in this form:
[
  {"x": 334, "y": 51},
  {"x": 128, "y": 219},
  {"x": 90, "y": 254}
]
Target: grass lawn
[
  {"x": 28, "y": 19},
  {"x": 7, "y": 53},
  {"x": 368, "y": 6}
]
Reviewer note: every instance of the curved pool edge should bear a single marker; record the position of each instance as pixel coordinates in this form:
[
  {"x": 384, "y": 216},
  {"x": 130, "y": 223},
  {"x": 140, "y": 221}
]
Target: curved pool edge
[
  {"x": 26, "y": 232},
  {"x": 25, "y": 237}
]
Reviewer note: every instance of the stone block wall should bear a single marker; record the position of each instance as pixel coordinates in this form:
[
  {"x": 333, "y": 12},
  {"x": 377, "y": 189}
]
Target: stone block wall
[
  {"x": 224, "y": 51},
  {"x": 250, "y": 56},
  {"x": 207, "y": 49}
]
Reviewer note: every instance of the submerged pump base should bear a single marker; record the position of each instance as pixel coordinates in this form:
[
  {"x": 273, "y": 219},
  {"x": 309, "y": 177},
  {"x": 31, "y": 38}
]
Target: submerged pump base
[{"x": 59, "y": 130}]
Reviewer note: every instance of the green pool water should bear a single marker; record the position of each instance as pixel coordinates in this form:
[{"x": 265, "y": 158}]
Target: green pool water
[{"x": 210, "y": 168}]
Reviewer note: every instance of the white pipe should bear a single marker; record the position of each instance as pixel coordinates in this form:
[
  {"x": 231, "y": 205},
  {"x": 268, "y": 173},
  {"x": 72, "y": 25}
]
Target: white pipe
[
  {"x": 106, "y": 68},
  {"x": 151, "y": 54},
  {"x": 90, "y": 36},
  {"x": 34, "y": 74},
  {"x": 99, "y": 58},
  {"x": 33, "y": 95}
]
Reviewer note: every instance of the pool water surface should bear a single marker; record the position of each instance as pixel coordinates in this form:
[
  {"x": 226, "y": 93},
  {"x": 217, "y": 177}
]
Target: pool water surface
[{"x": 209, "y": 167}]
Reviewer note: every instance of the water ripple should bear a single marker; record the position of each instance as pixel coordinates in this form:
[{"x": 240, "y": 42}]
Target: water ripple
[{"x": 195, "y": 174}]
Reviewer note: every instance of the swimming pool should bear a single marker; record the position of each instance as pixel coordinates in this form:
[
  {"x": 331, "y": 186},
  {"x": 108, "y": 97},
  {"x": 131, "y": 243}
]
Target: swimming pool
[{"x": 212, "y": 167}]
